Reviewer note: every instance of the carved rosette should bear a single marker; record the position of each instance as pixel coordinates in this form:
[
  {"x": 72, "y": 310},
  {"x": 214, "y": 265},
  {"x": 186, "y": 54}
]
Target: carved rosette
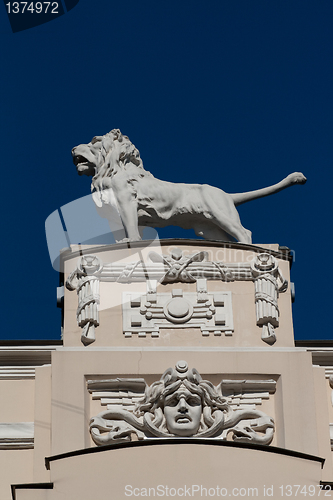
[{"x": 180, "y": 404}]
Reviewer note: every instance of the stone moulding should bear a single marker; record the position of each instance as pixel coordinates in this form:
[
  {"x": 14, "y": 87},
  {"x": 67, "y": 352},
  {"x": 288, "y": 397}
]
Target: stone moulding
[
  {"x": 263, "y": 270},
  {"x": 181, "y": 404},
  {"x": 16, "y": 436},
  {"x": 17, "y": 372}
]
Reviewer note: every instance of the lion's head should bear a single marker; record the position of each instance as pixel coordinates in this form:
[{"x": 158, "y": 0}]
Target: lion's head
[{"x": 105, "y": 155}]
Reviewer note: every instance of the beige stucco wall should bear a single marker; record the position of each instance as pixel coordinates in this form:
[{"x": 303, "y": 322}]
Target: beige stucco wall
[
  {"x": 16, "y": 405},
  {"x": 33, "y": 494},
  {"x": 42, "y": 422},
  {"x": 16, "y": 467},
  {"x": 106, "y": 475},
  {"x": 58, "y": 401},
  {"x": 300, "y": 405},
  {"x": 17, "y": 400},
  {"x": 322, "y": 415}
]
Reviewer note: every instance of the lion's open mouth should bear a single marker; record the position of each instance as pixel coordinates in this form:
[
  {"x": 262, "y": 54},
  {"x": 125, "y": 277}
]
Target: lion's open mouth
[
  {"x": 80, "y": 160},
  {"x": 83, "y": 166}
]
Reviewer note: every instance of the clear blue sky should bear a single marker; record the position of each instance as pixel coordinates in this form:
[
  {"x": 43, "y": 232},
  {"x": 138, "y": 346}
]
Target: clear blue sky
[{"x": 236, "y": 94}]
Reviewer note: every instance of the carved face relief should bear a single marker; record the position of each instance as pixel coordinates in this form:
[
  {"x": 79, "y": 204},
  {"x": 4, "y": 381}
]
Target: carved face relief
[
  {"x": 180, "y": 404},
  {"x": 182, "y": 411}
]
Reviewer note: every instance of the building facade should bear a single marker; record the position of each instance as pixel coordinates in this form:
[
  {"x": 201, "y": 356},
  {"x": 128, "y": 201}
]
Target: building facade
[{"x": 177, "y": 375}]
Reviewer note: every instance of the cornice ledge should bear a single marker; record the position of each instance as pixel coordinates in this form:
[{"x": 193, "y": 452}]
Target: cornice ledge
[{"x": 69, "y": 253}]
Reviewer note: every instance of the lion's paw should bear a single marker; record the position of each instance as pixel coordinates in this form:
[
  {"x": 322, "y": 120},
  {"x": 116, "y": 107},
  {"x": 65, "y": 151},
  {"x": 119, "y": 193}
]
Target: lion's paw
[
  {"x": 297, "y": 178},
  {"x": 128, "y": 240}
]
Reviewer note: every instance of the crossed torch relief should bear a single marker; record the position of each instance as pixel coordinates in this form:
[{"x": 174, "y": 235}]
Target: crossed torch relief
[{"x": 181, "y": 404}]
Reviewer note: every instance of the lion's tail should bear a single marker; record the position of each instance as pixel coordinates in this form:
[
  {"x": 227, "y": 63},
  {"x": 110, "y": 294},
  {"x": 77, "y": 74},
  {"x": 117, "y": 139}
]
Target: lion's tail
[{"x": 290, "y": 180}]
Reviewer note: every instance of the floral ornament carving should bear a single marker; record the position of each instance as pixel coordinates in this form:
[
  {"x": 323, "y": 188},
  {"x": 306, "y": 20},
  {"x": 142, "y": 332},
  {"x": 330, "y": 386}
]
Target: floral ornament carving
[{"x": 181, "y": 404}]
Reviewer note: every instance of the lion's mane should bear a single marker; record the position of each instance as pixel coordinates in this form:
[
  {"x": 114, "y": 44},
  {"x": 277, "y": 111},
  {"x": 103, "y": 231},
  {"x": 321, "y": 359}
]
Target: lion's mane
[{"x": 117, "y": 153}]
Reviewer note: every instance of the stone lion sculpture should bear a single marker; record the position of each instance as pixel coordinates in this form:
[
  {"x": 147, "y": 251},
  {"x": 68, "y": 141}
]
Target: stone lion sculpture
[{"x": 121, "y": 185}]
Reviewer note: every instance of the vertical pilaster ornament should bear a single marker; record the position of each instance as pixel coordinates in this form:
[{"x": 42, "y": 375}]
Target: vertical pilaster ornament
[
  {"x": 268, "y": 282},
  {"x": 85, "y": 281}
]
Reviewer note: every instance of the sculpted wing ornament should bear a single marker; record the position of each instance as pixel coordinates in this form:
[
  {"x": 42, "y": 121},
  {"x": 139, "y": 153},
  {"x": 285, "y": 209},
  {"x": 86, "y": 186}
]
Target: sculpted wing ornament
[
  {"x": 118, "y": 422},
  {"x": 121, "y": 187},
  {"x": 244, "y": 396},
  {"x": 181, "y": 404}
]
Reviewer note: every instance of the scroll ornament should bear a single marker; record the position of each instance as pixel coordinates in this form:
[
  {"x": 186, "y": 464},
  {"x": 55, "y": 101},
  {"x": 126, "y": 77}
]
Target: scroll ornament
[{"x": 181, "y": 404}]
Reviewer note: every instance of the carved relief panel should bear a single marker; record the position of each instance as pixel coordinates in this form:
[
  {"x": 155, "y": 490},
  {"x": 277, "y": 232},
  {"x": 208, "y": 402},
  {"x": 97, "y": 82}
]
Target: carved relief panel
[
  {"x": 212, "y": 313},
  {"x": 181, "y": 404},
  {"x": 147, "y": 313}
]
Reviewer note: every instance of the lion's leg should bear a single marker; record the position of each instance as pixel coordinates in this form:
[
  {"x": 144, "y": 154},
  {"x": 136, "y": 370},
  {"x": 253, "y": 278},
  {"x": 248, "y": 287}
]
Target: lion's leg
[
  {"x": 232, "y": 226},
  {"x": 130, "y": 220},
  {"x": 223, "y": 213},
  {"x": 235, "y": 229},
  {"x": 128, "y": 208}
]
